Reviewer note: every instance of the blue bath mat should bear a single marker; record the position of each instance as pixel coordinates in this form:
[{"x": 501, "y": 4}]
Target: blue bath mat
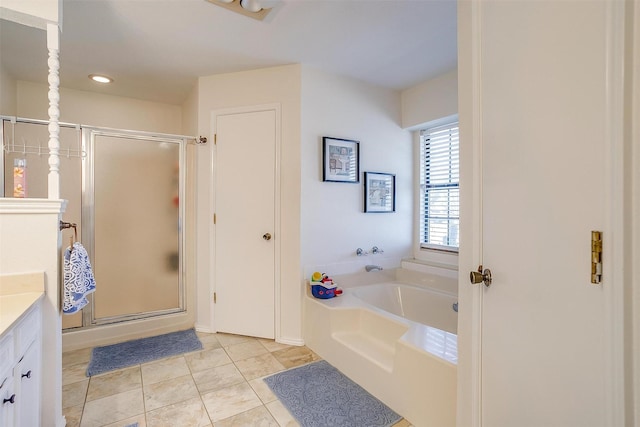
[
  {"x": 131, "y": 353},
  {"x": 318, "y": 395}
]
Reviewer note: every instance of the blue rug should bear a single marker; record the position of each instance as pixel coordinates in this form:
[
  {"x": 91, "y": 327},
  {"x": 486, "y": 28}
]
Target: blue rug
[
  {"x": 131, "y": 353},
  {"x": 318, "y": 395}
]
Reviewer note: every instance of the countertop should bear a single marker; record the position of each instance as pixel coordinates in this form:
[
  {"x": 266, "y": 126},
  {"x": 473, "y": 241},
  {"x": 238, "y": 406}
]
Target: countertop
[
  {"x": 12, "y": 307},
  {"x": 18, "y": 293}
]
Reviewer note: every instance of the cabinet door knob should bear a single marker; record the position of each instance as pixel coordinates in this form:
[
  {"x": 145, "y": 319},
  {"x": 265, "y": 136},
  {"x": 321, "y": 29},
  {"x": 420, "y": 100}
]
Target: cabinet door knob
[
  {"x": 12, "y": 399},
  {"x": 28, "y": 374}
]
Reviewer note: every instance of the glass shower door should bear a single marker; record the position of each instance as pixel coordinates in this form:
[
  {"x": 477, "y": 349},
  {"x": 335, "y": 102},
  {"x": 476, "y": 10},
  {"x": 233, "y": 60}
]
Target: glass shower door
[{"x": 134, "y": 206}]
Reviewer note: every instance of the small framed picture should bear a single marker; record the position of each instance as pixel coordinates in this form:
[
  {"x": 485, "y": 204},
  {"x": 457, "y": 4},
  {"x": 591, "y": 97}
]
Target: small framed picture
[
  {"x": 379, "y": 192},
  {"x": 341, "y": 160}
]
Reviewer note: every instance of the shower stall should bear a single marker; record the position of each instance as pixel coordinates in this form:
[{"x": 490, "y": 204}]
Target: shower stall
[{"x": 126, "y": 191}]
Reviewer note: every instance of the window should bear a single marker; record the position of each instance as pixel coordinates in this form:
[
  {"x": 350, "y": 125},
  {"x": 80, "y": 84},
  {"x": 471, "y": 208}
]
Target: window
[{"x": 440, "y": 187}]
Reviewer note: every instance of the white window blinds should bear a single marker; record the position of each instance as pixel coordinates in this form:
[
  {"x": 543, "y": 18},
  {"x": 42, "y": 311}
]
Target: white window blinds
[{"x": 440, "y": 184}]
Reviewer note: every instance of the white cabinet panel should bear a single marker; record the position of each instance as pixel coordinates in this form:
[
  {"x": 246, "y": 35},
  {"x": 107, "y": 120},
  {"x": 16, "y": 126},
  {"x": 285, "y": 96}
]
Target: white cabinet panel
[
  {"x": 27, "y": 379},
  {"x": 7, "y": 399},
  {"x": 20, "y": 372}
]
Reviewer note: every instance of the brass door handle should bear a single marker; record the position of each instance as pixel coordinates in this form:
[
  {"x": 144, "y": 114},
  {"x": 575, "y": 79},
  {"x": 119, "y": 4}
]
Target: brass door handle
[
  {"x": 266, "y": 236},
  {"x": 481, "y": 276}
]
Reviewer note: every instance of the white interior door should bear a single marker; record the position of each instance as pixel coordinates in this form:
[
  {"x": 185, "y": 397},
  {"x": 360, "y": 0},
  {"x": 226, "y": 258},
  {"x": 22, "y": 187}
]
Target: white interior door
[
  {"x": 544, "y": 146},
  {"x": 244, "y": 267}
]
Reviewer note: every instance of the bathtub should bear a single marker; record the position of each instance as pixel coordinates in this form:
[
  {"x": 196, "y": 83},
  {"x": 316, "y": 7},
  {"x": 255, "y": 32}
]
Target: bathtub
[
  {"x": 395, "y": 339},
  {"x": 422, "y": 305}
]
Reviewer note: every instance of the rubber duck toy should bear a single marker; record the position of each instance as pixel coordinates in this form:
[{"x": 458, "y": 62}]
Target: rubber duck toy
[{"x": 322, "y": 286}]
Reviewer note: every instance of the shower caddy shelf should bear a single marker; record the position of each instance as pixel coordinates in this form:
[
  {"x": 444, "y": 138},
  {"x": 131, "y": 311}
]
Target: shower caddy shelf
[{"x": 40, "y": 149}]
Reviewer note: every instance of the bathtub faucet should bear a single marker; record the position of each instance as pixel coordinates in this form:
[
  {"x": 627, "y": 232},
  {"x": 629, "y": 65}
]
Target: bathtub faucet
[{"x": 370, "y": 268}]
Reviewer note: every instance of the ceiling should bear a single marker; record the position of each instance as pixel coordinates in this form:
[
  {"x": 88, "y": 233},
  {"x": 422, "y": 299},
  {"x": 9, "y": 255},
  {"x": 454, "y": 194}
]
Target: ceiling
[{"x": 155, "y": 50}]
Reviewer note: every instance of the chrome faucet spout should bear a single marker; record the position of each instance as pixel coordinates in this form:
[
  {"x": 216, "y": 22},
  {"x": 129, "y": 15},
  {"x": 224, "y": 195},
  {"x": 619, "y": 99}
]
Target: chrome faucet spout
[{"x": 370, "y": 268}]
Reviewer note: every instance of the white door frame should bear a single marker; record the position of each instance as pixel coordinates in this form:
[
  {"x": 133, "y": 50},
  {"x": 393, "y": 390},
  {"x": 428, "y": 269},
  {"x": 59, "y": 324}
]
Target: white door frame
[
  {"x": 614, "y": 248},
  {"x": 276, "y": 108}
]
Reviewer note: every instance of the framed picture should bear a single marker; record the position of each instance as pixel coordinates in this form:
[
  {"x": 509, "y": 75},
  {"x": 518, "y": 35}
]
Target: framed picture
[
  {"x": 379, "y": 192},
  {"x": 340, "y": 160}
]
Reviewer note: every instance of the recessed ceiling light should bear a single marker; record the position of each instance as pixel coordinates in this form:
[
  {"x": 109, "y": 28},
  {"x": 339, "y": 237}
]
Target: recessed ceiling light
[{"x": 100, "y": 78}]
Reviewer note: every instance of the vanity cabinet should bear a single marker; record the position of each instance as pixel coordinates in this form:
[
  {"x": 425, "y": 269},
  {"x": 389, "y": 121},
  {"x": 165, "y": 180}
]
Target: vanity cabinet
[{"x": 20, "y": 371}]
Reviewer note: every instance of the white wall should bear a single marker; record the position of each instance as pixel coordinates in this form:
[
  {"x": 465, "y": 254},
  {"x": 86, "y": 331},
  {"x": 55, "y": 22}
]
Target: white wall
[
  {"x": 190, "y": 112},
  {"x": 431, "y": 100},
  {"x": 96, "y": 109},
  {"x": 265, "y": 86},
  {"x": 8, "y": 92},
  {"x": 333, "y": 223},
  {"x": 34, "y": 13}
]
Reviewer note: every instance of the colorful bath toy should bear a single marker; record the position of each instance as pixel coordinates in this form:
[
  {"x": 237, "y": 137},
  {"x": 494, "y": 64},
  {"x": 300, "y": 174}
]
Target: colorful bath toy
[{"x": 322, "y": 286}]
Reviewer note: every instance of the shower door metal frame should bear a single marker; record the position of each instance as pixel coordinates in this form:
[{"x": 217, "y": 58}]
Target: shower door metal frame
[{"x": 89, "y": 135}]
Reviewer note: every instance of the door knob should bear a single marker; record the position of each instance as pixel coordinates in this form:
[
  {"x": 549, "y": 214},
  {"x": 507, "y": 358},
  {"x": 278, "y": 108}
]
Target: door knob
[
  {"x": 481, "y": 276},
  {"x": 266, "y": 236}
]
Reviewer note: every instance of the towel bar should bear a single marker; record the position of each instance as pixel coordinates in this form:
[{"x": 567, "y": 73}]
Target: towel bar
[{"x": 74, "y": 238}]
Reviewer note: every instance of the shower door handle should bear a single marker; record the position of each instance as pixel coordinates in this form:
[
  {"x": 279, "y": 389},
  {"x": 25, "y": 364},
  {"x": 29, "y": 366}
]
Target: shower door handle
[
  {"x": 266, "y": 236},
  {"x": 481, "y": 276}
]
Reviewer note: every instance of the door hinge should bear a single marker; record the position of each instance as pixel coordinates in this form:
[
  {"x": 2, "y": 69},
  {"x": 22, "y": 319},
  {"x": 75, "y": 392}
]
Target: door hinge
[
  {"x": 596, "y": 257},
  {"x": 215, "y": 139},
  {"x": 215, "y": 297},
  {"x": 214, "y": 219}
]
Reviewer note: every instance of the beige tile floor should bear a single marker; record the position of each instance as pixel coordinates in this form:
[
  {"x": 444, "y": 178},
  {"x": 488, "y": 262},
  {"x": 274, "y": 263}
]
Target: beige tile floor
[{"x": 219, "y": 386}]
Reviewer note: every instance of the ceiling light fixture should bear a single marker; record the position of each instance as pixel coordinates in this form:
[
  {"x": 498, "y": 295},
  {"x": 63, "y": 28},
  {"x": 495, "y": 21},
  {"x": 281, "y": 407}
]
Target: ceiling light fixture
[
  {"x": 251, "y": 5},
  {"x": 256, "y": 9},
  {"x": 100, "y": 78}
]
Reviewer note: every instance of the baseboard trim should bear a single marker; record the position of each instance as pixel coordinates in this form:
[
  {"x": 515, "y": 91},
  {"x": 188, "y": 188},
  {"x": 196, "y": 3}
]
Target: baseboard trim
[{"x": 291, "y": 341}]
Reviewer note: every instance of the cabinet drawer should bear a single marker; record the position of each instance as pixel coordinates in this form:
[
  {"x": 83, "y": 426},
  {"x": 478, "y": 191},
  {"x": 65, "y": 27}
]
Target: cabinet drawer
[
  {"x": 27, "y": 330},
  {"x": 6, "y": 353}
]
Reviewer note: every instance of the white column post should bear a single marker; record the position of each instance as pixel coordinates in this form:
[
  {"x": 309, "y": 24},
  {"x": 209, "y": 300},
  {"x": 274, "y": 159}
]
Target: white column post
[{"x": 53, "y": 44}]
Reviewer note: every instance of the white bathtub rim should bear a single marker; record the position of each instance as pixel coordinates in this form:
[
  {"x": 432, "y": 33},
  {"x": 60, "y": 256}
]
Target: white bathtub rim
[
  {"x": 401, "y": 283},
  {"x": 347, "y": 301}
]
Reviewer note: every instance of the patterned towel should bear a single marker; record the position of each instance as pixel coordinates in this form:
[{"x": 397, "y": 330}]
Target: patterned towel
[{"x": 78, "y": 279}]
